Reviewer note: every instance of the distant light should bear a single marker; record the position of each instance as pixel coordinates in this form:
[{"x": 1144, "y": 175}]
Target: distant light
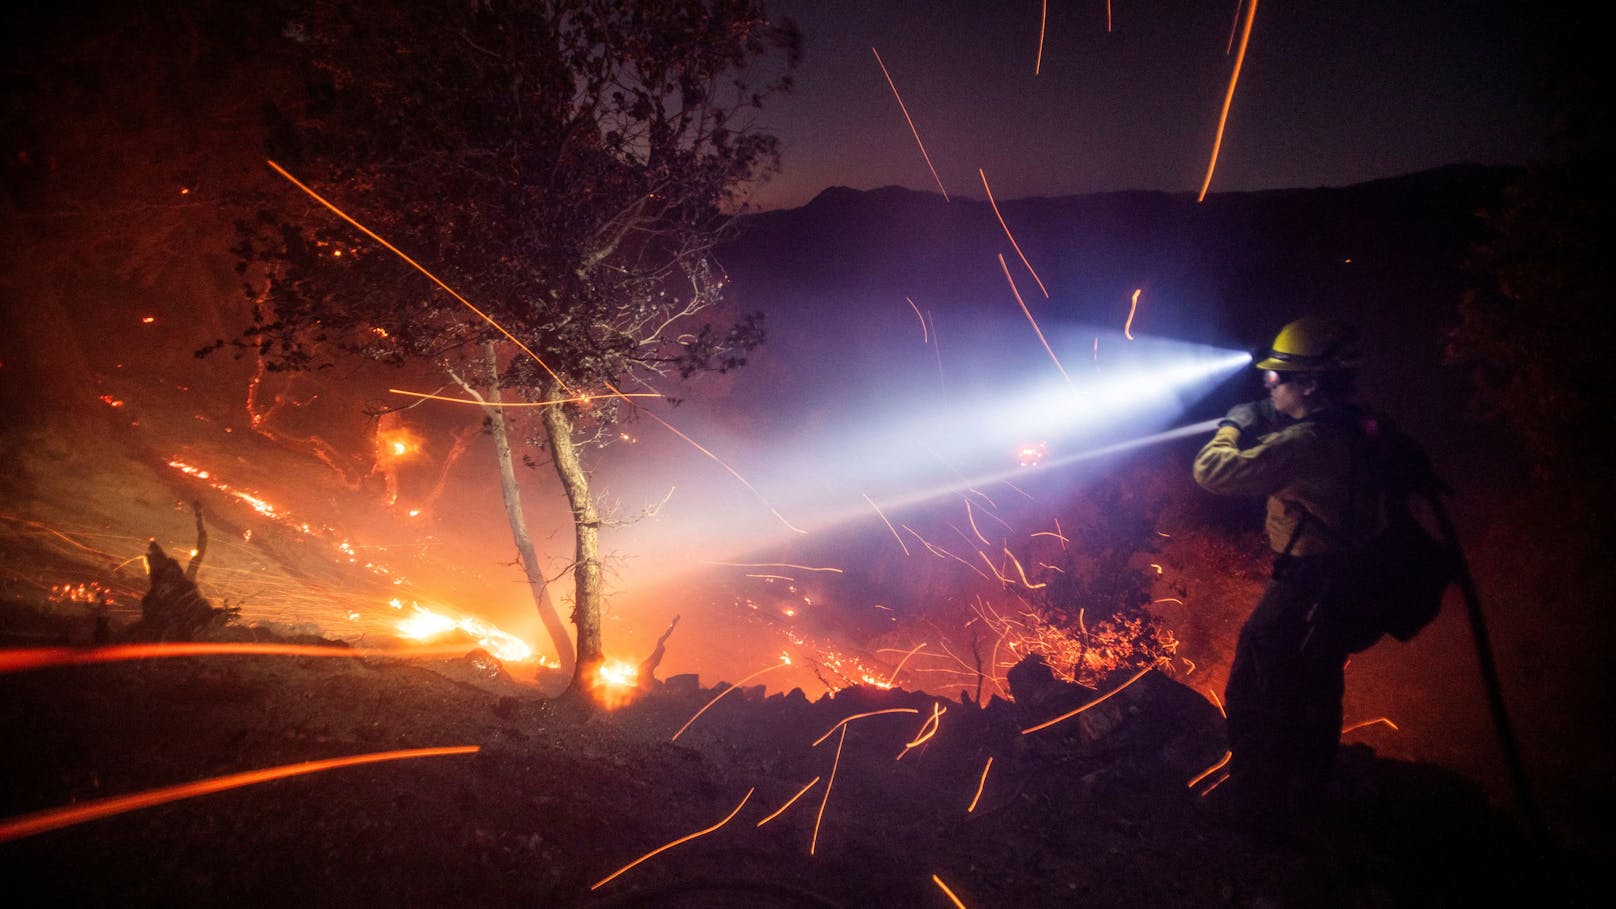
[{"x": 147, "y": 320}]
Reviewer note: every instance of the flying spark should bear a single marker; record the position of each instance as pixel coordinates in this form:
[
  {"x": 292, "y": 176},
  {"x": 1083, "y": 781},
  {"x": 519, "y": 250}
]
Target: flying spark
[
  {"x": 814, "y": 842},
  {"x": 683, "y": 839},
  {"x": 56, "y": 818},
  {"x": 1013, "y": 244},
  {"x": 905, "y": 109},
  {"x": 34, "y": 658},
  {"x": 947, "y": 892},
  {"x": 888, "y": 523},
  {"x": 503, "y": 404},
  {"x": 893, "y": 681},
  {"x": 422, "y": 269},
  {"x": 1069, "y": 714},
  {"x": 1031, "y": 320},
  {"x": 789, "y": 802},
  {"x": 1228, "y": 99},
  {"x": 980, "y": 785},
  {"x": 783, "y": 662},
  {"x": 1210, "y": 770},
  {"x": 1127, "y": 328},
  {"x": 924, "y": 336},
  {"x": 1038, "y": 62},
  {"x": 859, "y": 716}
]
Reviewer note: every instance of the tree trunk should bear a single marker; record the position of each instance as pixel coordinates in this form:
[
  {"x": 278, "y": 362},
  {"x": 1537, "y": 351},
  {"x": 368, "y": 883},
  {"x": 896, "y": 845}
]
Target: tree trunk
[
  {"x": 586, "y": 569},
  {"x": 513, "y": 513}
]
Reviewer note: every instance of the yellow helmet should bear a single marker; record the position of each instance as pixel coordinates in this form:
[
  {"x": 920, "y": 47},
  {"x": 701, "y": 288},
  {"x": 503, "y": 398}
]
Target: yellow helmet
[{"x": 1313, "y": 345}]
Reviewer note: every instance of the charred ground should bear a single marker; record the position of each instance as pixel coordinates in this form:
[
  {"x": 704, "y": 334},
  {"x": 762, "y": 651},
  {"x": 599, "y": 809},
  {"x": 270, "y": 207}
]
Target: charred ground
[{"x": 1093, "y": 811}]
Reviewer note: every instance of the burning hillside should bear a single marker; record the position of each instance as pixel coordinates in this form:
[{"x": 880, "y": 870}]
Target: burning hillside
[{"x": 868, "y": 797}]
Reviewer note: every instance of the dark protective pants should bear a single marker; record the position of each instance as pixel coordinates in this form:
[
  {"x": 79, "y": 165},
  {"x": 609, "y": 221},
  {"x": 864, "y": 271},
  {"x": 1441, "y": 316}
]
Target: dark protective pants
[{"x": 1285, "y": 688}]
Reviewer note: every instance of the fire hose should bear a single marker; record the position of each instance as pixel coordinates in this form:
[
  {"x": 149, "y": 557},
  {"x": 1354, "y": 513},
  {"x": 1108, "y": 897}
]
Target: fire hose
[{"x": 1489, "y": 670}]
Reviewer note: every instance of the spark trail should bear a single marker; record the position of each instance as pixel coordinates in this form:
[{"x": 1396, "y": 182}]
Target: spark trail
[
  {"x": 1228, "y": 99},
  {"x": 905, "y": 109}
]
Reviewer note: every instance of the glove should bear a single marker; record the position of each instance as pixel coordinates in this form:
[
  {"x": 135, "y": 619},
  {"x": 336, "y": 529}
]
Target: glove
[
  {"x": 1248, "y": 418},
  {"x": 1253, "y": 420}
]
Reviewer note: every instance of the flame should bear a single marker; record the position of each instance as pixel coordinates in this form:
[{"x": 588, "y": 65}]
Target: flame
[
  {"x": 398, "y": 444},
  {"x": 615, "y": 683},
  {"x": 424, "y": 625}
]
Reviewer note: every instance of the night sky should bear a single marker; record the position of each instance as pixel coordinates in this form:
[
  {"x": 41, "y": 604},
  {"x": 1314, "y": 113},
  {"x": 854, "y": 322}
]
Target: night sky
[{"x": 1330, "y": 94}]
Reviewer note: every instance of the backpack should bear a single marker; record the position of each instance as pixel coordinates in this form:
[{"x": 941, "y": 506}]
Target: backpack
[
  {"x": 1406, "y": 568},
  {"x": 1393, "y": 583}
]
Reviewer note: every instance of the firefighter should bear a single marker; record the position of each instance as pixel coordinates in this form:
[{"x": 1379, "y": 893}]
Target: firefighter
[{"x": 1297, "y": 448}]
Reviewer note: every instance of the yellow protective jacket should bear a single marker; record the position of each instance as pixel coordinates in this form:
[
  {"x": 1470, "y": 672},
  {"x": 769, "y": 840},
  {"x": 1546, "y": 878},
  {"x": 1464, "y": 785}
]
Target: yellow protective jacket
[{"x": 1309, "y": 466}]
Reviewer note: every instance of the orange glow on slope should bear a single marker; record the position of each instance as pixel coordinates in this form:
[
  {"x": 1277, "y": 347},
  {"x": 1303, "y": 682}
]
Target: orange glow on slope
[
  {"x": 784, "y": 661},
  {"x": 1228, "y": 99},
  {"x": 1034, "y": 322},
  {"x": 813, "y": 843},
  {"x": 422, "y": 269},
  {"x": 903, "y": 107},
  {"x": 980, "y": 785},
  {"x": 1127, "y": 327},
  {"x": 32, "y": 658},
  {"x": 56, "y": 818},
  {"x": 683, "y": 839},
  {"x": 1013, "y": 244},
  {"x": 789, "y": 802},
  {"x": 1069, "y": 714}
]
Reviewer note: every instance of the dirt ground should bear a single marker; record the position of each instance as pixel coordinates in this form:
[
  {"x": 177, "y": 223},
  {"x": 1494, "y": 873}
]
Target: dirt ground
[{"x": 1095, "y": 811}]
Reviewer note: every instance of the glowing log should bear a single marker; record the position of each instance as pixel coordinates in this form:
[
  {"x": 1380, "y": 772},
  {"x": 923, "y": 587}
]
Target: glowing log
[
  {"x": 56, "y": 818},
  {"x": 683, "y": 839}
]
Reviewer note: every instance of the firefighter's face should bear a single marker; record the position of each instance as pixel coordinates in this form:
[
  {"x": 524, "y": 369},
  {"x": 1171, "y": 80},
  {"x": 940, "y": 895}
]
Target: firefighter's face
[{"x": 1290, "y": 393}]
